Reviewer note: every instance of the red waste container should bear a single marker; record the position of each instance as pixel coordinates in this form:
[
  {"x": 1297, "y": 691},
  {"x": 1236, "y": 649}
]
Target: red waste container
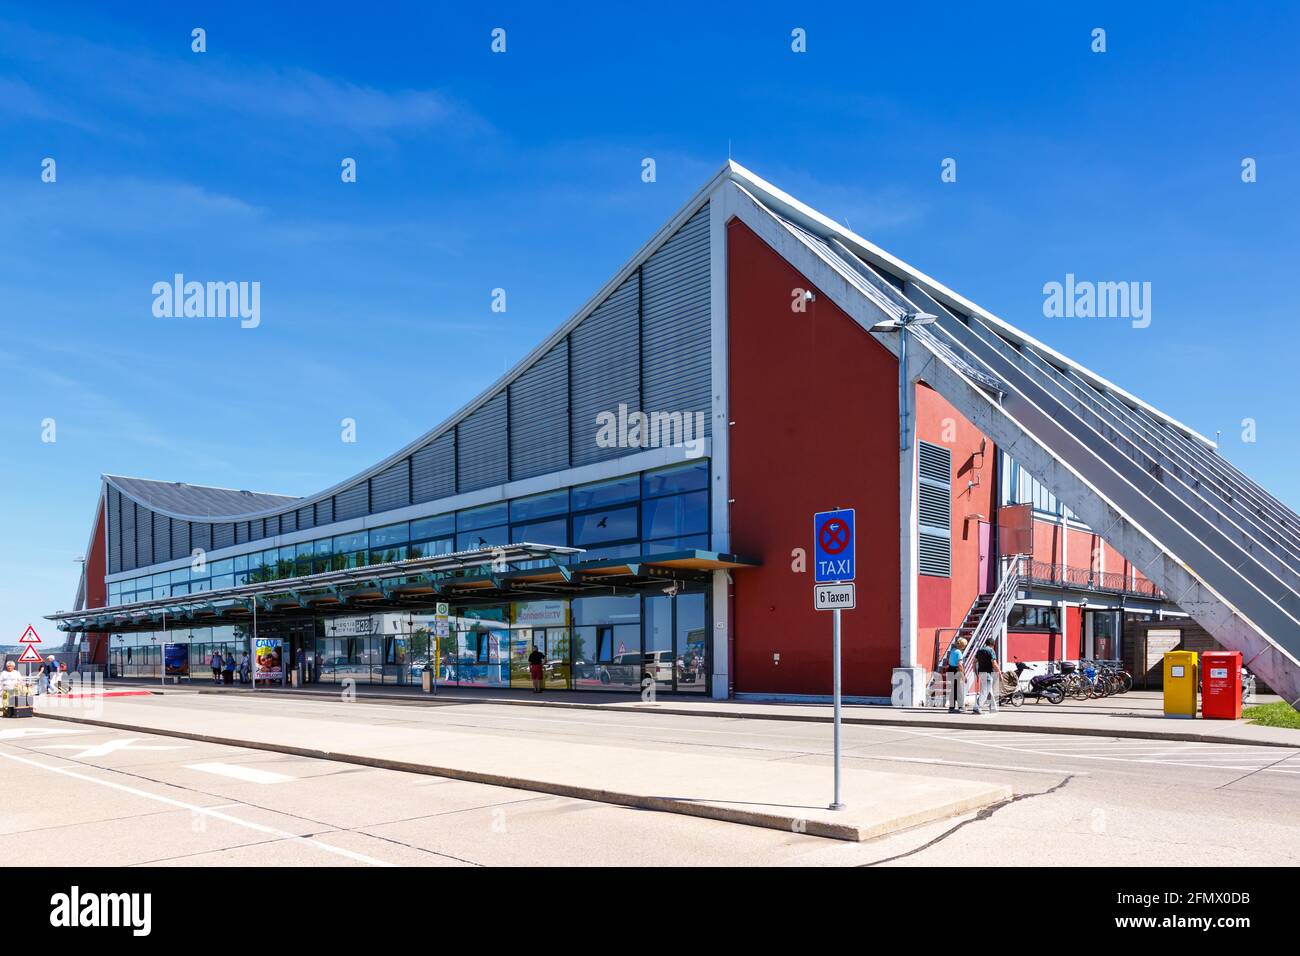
[{"x": 1221, "y": 685}]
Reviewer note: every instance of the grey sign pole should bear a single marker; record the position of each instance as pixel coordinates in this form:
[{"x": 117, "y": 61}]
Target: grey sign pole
[
  {"x": 252, "y": 648},
  {"x": 837, "y": 805}
]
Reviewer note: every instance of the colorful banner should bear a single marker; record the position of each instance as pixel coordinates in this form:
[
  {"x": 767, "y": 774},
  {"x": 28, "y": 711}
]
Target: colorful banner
[
  {"x": 269, "y": 662},
  {"x": 176, "y": 660}
]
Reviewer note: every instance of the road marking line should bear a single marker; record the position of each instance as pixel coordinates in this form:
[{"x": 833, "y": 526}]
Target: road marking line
[
  {"x": 247, "y": 774},
  {"x": 107, "y": 747},
  {"x": 981, "y": 766},
  {"x": 206, "y": 811},
  {"x": 23, "y": 732}
]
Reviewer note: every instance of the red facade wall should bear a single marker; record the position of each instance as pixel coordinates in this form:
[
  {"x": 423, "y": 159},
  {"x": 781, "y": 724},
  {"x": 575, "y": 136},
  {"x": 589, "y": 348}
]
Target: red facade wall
[
  {"x": 943, "y": 602},
  {"x": 1032, "y": 646},
  {"x": 96, "y": 590},
  {"x": 802, "y": 385}
]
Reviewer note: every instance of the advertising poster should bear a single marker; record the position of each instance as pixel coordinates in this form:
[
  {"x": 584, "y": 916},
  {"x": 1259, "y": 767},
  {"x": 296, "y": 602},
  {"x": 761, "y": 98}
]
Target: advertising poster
[
  {"x": 269, "y": 665},
  {"x": 176, "y": 660}
]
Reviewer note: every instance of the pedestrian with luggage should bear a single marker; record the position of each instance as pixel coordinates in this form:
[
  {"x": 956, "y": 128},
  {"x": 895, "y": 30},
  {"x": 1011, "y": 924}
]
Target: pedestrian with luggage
[{"x": 11, "y": 684}]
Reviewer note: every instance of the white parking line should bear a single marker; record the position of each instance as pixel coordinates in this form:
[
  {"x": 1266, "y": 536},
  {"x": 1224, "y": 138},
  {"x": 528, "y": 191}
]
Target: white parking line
[
  {"x": 980, "y": 766},
  {"x": 205, "y": 811},
  {"x": 247, "y": 774}
]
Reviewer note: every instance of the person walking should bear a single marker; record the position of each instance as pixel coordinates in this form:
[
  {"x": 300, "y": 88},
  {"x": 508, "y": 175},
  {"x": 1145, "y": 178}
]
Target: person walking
[
  {"x": 536, "y": 668},
  {"x": 957, "y": 676},
  {"x": 216, "y": 667},
  {"x": 986, "y": 669}
]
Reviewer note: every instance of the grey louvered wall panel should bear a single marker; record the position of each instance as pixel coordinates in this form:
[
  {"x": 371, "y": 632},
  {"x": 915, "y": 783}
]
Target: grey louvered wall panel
[
  {"x": 604, "y": 369},
  {"x": 433, "y": 469},
  {"x": 481, "y": 446},
  {"x": 201, "y": 535},
  {"x": 351, "y": 503},
  {"x": 223, "y": 535},
  {"x": 391, "y": 488},
  {"x": 162, "y": 537},
  {"x": 143, "y": 536},
  {"x": 114, "y": 504},
  {"x": 288, "y": 522},
  {"x": 241, "y": 532},
  {"x": 675, "y": 332},
  {"x": 306, "y": 518},
  {"x": 324, "y": 511},
  {"x": 130, "y": 550},
  {"x": 180, "y": 539},
  {"x": 539, "y": 415}
]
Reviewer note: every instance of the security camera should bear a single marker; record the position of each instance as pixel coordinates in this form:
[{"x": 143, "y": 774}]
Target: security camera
[{"x": 672, "y": 589}]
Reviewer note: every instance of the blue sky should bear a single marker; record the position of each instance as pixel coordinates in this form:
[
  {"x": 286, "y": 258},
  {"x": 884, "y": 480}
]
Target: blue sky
[{"x": 521, "y": 171}]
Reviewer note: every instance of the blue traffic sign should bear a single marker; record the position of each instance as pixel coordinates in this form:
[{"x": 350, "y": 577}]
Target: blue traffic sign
[{"x": 833, "y": 545}]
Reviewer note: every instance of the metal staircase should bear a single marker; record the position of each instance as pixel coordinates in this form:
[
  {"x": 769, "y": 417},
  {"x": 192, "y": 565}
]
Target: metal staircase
[{"x": 984, "y": 622}]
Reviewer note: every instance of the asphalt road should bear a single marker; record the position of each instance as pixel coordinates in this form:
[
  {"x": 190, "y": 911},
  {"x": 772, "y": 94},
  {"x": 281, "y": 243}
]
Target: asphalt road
[{"x": 82, "y": 795}]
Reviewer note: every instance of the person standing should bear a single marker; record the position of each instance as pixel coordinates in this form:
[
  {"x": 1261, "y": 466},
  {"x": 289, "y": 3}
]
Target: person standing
[
  {"x": 536, "y": 668},
  {"x": 228, "y": 669},
  {"x": 216, "y": 667},
  {"x": 986, "y": 669},
  {"x": 957, "y": 676},
  {"x": 11, "y": 683},
  {"x": 243, "y": 668}
]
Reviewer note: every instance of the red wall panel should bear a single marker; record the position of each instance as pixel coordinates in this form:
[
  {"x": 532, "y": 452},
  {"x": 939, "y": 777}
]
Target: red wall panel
[
  {"x": 814, "y": 399},
  {"x": 943, "y": 602},
  {"x": 96, "y": 590}
]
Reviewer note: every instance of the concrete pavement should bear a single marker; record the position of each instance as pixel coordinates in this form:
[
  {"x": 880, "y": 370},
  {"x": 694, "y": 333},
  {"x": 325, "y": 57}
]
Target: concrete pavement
[
  {"x": 752, "y": 792},
  {"x": 1138, "y": 714},
  {"x": 1076, "y": 799}
]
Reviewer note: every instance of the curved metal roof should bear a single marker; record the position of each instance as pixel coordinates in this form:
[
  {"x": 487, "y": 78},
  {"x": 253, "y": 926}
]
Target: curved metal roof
[{"x": 196, "y": 502}]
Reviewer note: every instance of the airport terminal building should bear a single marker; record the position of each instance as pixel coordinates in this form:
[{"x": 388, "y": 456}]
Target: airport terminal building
[{"x": 635, "y": 499}]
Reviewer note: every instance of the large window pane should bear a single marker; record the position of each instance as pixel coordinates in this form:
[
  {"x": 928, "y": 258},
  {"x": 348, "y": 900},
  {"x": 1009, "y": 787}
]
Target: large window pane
[
  {"x": 555, "y": 531},
  {"x": 692, "y": 644},
  {"x": 359, "y": 541},
  {"x": 539, "y": 506},
  {"x": 381, "y": 538},
  {"x": 439, "y": 526},
  {"x": 606, "y": 493},
  {"x": 482, "y": 538},
  {"x": 484, "y": 517},
  {"x": 601, "y": 526},
  {"x": 658, "y": 630},
  {"x": 669, "y": 481},
  {"x": 678, "y": 515}
]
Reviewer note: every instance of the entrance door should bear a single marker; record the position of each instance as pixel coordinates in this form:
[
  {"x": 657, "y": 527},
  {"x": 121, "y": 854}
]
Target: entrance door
[{"x": 987, "y": 584}]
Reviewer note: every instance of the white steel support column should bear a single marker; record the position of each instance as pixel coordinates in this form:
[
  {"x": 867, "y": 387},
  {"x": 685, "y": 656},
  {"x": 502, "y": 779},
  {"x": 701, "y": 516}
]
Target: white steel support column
[
  {"x": 909, "y": 677},
  {"x": 720, "y": 506}
]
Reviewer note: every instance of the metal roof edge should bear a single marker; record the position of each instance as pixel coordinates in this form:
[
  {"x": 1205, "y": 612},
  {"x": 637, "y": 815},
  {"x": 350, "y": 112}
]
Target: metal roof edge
[
  {"x": 665, "y": 232},
  {"x": 789, "y": 205}
]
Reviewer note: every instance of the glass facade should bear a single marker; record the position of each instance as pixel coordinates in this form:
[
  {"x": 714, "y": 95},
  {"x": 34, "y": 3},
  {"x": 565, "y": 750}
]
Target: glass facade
[
  {"x": 651, "y": 513},
  {"x": 608, "y": 642},
  {"x": 605, "y": 642}
]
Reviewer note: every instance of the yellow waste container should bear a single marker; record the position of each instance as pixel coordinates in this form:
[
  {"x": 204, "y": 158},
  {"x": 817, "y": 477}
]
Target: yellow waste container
[{"x": 1180, "y": 684}]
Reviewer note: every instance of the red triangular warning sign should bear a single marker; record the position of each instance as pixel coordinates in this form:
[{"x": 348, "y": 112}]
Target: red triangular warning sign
[
  {"x": 30, "y": 636},
  {"x": 30, "y": 655}
]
